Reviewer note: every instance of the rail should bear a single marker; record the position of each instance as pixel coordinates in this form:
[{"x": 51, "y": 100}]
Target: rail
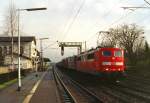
[
  {"x": 92, "y": 95},
  {"x": 80, "y": 92},
  {"x": 67, "y": 94}
]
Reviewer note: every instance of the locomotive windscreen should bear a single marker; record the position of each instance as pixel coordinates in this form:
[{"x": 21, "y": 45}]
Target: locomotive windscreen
[
  {"x": 118, "y": 53},
  {"x": 106, "y": 53}
]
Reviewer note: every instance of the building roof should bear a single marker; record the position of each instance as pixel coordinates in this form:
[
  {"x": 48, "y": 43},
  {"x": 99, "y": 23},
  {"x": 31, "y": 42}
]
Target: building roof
[{"x": 15, "y": 39}]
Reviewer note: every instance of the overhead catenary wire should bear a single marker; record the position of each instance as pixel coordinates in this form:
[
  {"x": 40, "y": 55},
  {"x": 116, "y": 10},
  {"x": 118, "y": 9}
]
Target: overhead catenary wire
[
  {"x": 105, "y": 15},
  {"x": 50, "y": 45},
  {"x": 74, "y": 19},
  {"x": 115, "y": 21},
  {"x": 112, "y": 23},
  {"x": 147, "y": 2},
  {"x": 69, "y": 20}
]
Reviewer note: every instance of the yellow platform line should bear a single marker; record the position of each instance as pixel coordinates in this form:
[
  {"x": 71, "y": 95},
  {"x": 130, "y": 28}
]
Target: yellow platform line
[{"x": 29, "y": 96}]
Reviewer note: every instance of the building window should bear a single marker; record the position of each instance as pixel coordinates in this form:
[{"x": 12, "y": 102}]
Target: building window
[
  {"x": 21, "y": 50},
  {"x": 118, "y": 53},
  {"x": 10, "y": 50},
  {"x": 5, "y": 50},
  {"x": 90, "y": 56},
  {"x": 106, "y": 53}
]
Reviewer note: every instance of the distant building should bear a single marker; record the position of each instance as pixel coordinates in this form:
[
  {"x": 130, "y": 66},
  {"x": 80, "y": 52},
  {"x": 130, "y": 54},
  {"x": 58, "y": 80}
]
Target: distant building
[
  {"x": 27, "y": 49},
  {"x": 46, "y": 63}
]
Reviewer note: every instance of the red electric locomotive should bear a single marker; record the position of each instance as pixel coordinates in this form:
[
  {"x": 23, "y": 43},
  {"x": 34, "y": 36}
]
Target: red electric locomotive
[{"x": 99, "y": 61}]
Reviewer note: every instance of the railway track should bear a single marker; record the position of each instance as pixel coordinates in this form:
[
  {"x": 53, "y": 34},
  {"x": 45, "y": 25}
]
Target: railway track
[
  {"x": 136, "y": 84},
  {"x": 127, "y": 91},
  {"x": 124, "y": 92},
  {"x": 136, "y": 72},
  {"x": 65, "y": 95},
  {"x": 72, "y": 91},
  {"x": 132, "y": 95}
]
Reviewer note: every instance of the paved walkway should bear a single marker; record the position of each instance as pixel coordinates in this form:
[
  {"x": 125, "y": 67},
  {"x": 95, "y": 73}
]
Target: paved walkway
[
  {"x": 41, "y": 89},
  {"x": 46, "y": 92}
]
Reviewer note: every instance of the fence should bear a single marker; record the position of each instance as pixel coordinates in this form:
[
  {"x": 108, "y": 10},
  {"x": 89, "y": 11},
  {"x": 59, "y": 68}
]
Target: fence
[{"x": 6, "y": 74}]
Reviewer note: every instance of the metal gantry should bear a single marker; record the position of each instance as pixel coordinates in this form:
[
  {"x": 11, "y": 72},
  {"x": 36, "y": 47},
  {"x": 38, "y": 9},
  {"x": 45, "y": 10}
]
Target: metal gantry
[
  {"x": 137, "y": 7},
  {"x": 70, "y": 44}
]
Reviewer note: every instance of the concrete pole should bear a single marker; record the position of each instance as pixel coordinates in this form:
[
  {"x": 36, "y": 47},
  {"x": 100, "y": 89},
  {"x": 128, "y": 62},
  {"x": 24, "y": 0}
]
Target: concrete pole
[{"x": 19, "y": 69}]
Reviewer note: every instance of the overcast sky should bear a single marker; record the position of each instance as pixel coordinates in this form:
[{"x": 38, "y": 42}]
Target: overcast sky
[{"x": 75, "y": 20}]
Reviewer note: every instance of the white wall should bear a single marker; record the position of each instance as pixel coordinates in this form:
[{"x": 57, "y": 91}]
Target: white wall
[{"x": 29, "y": 50}]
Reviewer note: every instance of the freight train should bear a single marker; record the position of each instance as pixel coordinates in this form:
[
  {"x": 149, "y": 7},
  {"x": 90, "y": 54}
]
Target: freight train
[{"x": 101, "y": 61}]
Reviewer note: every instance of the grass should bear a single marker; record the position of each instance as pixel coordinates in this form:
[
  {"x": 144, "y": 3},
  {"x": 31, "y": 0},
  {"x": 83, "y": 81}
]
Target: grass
[{"x": 6, "y": 84}]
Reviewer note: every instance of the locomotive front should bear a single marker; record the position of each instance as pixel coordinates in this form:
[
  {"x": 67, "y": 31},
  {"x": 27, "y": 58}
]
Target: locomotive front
[{"x": 111, "y": 61}]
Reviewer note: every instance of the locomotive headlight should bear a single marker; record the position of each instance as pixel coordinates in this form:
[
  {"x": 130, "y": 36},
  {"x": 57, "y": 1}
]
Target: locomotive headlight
[
  {"x": 106, "y": 63},
  {"x": 118, "y": 63}
]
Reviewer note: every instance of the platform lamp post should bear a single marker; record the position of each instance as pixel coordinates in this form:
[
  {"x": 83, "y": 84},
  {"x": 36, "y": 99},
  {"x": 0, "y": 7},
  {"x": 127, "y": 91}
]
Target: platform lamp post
[{"x": 19, "y": 69}]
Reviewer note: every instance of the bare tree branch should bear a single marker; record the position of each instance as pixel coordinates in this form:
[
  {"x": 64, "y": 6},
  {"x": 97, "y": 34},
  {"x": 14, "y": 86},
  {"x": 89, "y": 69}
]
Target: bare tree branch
[
  {"x": 129, "y": 37},
  {"x": 10, "y": 23}
]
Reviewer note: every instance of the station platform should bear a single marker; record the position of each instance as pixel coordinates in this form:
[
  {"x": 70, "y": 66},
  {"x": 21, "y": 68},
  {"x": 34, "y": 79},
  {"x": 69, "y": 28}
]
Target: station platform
[{"x": 40, "y": 89}]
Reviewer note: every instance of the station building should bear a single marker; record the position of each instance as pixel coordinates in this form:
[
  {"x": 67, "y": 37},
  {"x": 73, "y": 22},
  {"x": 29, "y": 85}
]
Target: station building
[{"x": 27, "y": 49}]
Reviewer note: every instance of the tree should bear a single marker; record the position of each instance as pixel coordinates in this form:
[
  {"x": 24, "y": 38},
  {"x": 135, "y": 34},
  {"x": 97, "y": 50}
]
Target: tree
[
  {"x": 147, "y": 51},
  {"x": 129, "y": 37},
  {"x": 109, "y": 39},
  {"x": 10, "y": 24}
]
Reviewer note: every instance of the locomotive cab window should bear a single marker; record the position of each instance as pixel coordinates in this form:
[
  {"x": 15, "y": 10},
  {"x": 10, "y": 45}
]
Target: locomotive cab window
[
  {"x": 106, "y": 53},
  {"x": 90, "y": 56},
  {"x": 118, "y": 53}
]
